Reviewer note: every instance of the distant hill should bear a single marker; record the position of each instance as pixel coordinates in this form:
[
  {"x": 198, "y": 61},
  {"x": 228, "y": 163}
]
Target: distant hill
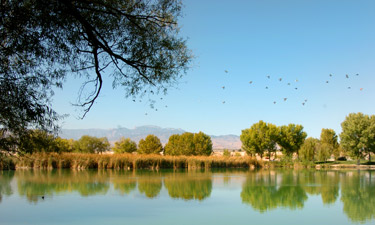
[{"x": 136, "y": 134}]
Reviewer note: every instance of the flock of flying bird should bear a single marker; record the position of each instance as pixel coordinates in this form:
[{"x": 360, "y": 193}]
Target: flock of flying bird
[
  {"x": 266, "y": 87},
  {"x": 296, "y": 88}
]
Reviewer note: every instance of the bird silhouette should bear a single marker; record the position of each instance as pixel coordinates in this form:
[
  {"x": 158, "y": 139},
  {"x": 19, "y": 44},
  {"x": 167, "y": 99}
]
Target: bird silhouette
[
  {"x": 349, "y": 87},
  {"x": 274, "y": 102},
  {"x": 250, "y": 82},
  {"x": 266, "y": 87},
  {"x": 223, "y": 102},
  {"x": 226, "y": 71},
  {"x": 296, "y": 88},
  {"x": 303, "y": 103},
  {"x": 223, "y": 87},
  {"x": 357, "y": 74},
  {"x": 305, "y": 100},
  {"x": 268, "y": 77},
  {"x": 288, "y": 83},
  {"x": 330, "y": 75},
  {"x": 285, "y": 99},
  {"x": 327, "y": 82},
  {"x": 347, "y": 76},
  {"x": 296, "y": 80},
  {"x": 280, "y": 79},
  {"x": 166, "y": 106},
  {"x": 145, "y": 114}
]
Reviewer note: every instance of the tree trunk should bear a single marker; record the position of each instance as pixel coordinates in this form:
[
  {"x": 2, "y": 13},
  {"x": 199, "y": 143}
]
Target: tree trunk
[{"x": 369, "y": 157}]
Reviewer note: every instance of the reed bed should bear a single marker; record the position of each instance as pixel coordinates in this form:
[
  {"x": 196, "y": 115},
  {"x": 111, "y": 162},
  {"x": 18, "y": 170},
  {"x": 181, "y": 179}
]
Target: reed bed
[{"x": 130, "y": 161}]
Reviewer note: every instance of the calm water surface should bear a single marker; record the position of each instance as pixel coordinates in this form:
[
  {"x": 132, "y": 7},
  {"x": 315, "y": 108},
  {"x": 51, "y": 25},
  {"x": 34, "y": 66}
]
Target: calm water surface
[{"x": 194, "y": 197}]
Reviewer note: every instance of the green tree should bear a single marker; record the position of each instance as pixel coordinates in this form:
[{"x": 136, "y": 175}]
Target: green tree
[
  {"x": 291, "y": 138},
  {"x": 358, "y": 134},
  {"x": 259, "y": 138},
  {"x": 64, "y": 145},
  {"x": 309, "y": 149},
  {"x": 329, "y": 143},
  {"x": 38, "y": 141},
  {"x": 43, "y": 42},
  {"x": 202, "y": 144},
  {"x": 186, "y": 143},
  {"x": 125, "y": 146},
  {"x": 150, "y": 145},
  {"x": 173, "y": 145},
  {"x": 89, "y": 144},
  {"x": 189, "y": 144}
]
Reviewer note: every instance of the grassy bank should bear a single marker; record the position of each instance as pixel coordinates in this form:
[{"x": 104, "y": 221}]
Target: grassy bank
[{"x": 130, "y": 161}]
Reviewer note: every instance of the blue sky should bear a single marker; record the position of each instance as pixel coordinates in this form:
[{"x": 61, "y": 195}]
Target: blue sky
[{"x": 300, "y": 41}]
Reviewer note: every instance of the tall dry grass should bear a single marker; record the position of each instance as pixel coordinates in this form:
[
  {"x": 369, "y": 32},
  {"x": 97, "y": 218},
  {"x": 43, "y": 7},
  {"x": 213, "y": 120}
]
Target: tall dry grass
[{"x": 131, "y": 161}]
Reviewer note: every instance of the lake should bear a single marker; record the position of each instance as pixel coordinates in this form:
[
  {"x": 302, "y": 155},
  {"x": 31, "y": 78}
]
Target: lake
[{"x": 187, "y": 197}]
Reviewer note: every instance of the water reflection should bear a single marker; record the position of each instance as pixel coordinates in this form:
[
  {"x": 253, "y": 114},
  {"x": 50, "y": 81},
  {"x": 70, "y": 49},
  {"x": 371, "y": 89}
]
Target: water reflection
[
  {"x": 358, "y": 195},
  {"x": 37, "y": 184},
  {"x": 5, "y": 179},
  {"x": 189, "y": 186},
  {"x": 150, "y": 184},
  {"x": 265, "y": 190}
]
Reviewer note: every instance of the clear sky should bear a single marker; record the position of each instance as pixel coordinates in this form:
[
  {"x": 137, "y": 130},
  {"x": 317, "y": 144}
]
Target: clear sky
[{"x": 300, "y": 41}]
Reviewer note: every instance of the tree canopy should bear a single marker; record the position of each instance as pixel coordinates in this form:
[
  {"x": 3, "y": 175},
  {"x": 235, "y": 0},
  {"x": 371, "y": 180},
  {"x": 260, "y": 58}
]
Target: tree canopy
[
  {"x": 292, "y": 137},
  {"x": 150, "y": 145},
  {"x": 136, "y": 43},
  {"x": 259, "y": 138},
  {"x": 125, "y": 145},
  {"x": 89, "y": 144},
  {"x": 358, "y": 134},
  {"x": 189, "y": 144}
]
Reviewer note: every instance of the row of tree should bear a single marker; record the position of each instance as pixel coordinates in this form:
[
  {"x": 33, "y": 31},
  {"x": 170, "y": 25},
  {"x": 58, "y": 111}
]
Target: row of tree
[
  {"x": 356, "y": 139},
  {"x": 184, "y": 144}
]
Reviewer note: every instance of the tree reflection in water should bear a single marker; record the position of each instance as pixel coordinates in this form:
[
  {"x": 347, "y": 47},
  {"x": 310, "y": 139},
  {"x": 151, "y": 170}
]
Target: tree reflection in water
[
  {"x": 149, "y": 183},
  {"x": 189, "y": 186},
  {"x": 263, "y": 190},
  {"x": 266, "y": 190},
  {"x": 358, "y": 195},
  {"x": 37, "y": 183},
  {"x": 5, "y": 179}
]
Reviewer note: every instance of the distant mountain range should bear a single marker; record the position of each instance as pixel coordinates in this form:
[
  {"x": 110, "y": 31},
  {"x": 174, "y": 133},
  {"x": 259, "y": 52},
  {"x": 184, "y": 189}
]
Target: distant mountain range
[{"x": 136, "y": 134}]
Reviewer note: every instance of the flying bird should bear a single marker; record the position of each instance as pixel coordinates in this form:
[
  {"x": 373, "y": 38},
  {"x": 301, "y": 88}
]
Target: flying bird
[
  {"x": 274, "y": 102},
  {"x": 296, "y": 88},
  {"x": 223, "y": 87},
  {"x": 347, "y": 76},
  {"x": 268, "y": 76},
  {"x": 357, "y": 74},
  {"x": 305, "y": 100},
  {"x": 280, "y": 79},
  {"x": 361, "y": 89},
  {"x": 266, "y": 87},
  {"x": 145, "y": 114},
  {"x": 330, "y": 75},
  {"x": 327, "y": 82},
  {"x": 226, "y": 71},
  {"x": 303, "y": 103},
  {"x": 223, "y": 102},
  {"x": 250, "y": 82},
  {"x": 349, "y": 87},
  {"x": 296, "y": 80},
  {"x": 285, "y": 99},
  {"x": 288, "y": 83}
]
